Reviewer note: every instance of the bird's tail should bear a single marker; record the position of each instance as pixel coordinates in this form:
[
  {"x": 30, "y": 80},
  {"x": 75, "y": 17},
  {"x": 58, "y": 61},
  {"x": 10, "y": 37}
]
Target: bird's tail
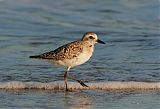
[{"x": 35, "y": 56}]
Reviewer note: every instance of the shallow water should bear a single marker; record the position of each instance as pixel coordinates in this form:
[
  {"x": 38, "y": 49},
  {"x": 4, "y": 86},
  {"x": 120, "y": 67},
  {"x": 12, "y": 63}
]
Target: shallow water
[
  {"x": 79, "y": 100},
  {"x": 130, "y": 29}
]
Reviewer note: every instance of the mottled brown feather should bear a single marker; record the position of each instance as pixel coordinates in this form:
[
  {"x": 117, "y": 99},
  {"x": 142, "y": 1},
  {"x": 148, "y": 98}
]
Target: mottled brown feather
[{"x": 67, "y": 51}]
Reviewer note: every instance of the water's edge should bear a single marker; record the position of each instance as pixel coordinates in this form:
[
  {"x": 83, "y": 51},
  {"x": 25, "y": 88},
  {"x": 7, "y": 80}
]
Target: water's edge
[{"x": 59, "y": 85}]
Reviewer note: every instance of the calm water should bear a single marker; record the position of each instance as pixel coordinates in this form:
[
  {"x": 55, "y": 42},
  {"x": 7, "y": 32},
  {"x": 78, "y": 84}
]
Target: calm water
[{"x": 130, "y": 28}]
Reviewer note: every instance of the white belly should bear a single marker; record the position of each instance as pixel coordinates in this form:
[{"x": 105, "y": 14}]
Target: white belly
[{"x": 82, "y": 58}]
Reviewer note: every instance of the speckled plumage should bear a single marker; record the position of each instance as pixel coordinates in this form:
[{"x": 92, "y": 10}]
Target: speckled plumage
[
  {"x": 72, "y": 54},
  {"x": 67, "y": 51}
]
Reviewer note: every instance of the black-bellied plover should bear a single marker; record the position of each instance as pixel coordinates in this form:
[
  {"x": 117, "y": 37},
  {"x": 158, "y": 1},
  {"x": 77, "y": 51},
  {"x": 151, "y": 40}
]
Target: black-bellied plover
[{"x": 72, "y": 54}]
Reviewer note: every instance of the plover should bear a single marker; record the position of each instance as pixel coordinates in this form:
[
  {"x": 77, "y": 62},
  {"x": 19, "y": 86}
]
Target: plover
[{"x": 72, "y": 54}]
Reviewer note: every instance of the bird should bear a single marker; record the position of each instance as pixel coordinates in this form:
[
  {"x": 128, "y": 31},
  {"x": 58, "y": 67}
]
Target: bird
[{"x": 72, "y": 54}]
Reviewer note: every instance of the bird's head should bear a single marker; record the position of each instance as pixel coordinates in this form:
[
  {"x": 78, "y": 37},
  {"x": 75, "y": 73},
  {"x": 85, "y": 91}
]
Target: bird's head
[{"x": 91, "y": 37}]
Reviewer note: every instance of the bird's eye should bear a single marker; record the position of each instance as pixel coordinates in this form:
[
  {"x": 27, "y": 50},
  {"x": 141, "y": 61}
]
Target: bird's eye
[{"x": 91, "y": 37}]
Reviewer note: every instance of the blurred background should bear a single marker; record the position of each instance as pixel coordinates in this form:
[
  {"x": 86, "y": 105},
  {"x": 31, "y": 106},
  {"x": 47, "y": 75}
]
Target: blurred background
[{"x": 130, "y": 28}]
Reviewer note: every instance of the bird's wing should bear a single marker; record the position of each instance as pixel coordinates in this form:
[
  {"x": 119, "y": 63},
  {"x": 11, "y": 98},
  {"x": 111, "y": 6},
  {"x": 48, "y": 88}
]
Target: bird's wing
[{"x": 67, "y": 51}]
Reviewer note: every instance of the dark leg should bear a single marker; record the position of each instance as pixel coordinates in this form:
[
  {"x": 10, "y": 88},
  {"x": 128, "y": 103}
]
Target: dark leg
[
  {"x": 82, "y": 83},
  {"x": 65, "y": 80},
  {"x": 79, "y": 81}
]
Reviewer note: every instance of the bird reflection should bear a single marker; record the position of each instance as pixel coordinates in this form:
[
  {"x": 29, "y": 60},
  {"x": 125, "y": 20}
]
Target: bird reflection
[{"x": 77, "y": 100}]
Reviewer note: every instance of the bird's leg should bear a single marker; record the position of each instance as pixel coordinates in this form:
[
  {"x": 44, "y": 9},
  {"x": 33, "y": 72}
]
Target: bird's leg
[
  {"x": 65, "y": 78},
  {"x": 79, "y": 81}
]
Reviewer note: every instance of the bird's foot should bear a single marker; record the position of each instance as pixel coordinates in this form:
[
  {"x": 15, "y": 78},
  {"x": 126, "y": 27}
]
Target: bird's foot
[
  {"x": 79, "y": 81},
  {"x": 82, "y": 83},
  {"x": 67, "y": 90}
]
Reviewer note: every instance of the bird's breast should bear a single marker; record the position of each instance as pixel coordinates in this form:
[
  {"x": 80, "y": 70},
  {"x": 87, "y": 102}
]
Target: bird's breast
[{"x": 78, "y": 60}]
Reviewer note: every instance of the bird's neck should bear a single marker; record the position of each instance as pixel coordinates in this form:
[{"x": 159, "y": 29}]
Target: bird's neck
[{"x": 89, "y": 47}]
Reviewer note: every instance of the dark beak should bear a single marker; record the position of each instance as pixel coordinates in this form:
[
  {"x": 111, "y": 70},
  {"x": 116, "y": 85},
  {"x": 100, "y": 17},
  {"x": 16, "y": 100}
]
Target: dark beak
[{"x": 99, "y": 41}]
